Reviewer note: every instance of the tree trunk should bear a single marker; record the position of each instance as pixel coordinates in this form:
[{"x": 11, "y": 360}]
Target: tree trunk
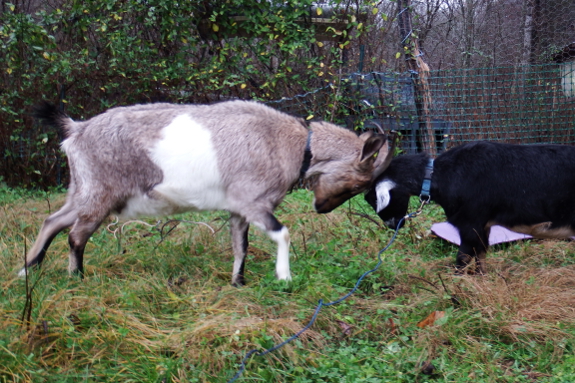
[
  {"x": 420, "y": 74},
  {"x": 529, "y": 11}
]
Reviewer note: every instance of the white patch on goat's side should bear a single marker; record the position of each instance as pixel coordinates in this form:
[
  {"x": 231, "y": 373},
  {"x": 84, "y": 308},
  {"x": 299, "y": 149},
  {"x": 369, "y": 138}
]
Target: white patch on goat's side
[
  {"x": 191, "y": 178},
  {"x": 382, "y": 193}
]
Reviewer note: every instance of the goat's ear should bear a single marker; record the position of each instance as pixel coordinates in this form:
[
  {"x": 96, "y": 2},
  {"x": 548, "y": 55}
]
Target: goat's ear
[
  {"x": 383, "y": 160},
  {"x": 364, "y": 136},
  {"x": 371, "y": 146}
]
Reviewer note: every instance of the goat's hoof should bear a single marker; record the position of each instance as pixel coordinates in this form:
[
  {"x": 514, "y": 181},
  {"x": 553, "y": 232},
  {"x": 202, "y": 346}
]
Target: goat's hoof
[
  {"x": 285, "y": 277},
  {"x": 76, "y": 274},
  {"x": 30, "y": 269},
  {"x": 238, "y": 281},
  {"x": 460, "y": 271},
  {"x": 427, "y": 368}
]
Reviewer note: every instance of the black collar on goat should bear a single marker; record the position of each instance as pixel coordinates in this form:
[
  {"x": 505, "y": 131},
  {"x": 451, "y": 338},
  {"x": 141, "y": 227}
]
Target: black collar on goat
[
  {"x": 306, "y": 156},
  {"x": 425, "y": 195}
]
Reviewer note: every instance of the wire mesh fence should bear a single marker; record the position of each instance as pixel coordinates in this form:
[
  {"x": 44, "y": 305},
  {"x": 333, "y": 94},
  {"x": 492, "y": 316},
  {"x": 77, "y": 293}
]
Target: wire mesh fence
[
  {"x": 522, "y": 105},
  {"x": 515, "y": 105}
]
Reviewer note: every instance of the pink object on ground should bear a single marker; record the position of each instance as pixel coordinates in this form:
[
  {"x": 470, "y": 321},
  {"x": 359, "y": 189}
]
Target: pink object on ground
[{"x": 497, "y": 235}]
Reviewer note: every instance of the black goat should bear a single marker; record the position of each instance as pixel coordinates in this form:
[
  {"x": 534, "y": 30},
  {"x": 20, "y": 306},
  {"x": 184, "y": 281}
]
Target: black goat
[{"x": 525, "y": 188}]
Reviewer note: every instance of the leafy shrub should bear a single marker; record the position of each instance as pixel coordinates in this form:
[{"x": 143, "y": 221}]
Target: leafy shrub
[{"x": 92, "y": 55}]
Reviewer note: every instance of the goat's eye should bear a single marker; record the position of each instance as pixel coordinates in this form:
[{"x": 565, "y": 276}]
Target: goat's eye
[{"x": 356, "y": 188}]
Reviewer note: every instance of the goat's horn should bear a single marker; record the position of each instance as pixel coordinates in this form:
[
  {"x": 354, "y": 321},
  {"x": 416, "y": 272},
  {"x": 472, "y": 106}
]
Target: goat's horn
[
  {"x": 380, "y": 167},
  {"x": 379, "y": 128}
]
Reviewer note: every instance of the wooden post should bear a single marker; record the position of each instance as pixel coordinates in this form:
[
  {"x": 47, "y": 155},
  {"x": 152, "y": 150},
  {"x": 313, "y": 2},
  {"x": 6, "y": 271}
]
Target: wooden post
[{"x": 420, "y": 74}]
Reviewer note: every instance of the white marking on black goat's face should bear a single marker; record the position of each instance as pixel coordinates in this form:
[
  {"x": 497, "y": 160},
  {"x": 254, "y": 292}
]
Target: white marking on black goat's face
[
  {"x": 390, "y": 201},
  {"x": 383, "y": 197}
]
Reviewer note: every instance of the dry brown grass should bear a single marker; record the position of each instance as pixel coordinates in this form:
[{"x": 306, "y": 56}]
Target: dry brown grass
[
  {"x": 523, "y": 301},
  {"x": 515, "y": 303}
]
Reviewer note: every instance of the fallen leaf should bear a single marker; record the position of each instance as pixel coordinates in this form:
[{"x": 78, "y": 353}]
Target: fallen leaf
[
  {"x": 392, "y": 326},
  {"x": 345, "y": 327},
  {"x": 431, "y": 318}
]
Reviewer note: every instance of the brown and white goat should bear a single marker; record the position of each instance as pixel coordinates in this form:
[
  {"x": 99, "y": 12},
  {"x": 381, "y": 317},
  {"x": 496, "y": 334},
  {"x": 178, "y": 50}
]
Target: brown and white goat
[{"x": 239, "y": 156}]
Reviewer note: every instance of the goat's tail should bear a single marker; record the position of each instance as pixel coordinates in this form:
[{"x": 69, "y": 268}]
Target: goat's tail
[{"x": 51, "y": 115}]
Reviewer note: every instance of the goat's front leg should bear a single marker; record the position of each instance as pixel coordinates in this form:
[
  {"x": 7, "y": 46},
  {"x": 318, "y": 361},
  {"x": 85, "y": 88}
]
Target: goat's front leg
[
  {"x": 280, "y": 234},
  {"x": 463, "y": 259},
  {"x": 481, "y": 252},
  {"x": 239, "y": 228},
  {"x": 264, "y": 220},
  {"x": 474, "y": 245}
]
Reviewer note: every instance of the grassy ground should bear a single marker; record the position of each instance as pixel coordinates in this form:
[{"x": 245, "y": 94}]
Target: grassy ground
[{"x": 156, "y": 304}]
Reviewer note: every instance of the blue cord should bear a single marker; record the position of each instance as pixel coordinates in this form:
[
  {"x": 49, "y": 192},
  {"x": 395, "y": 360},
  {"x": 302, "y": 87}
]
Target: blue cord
[{"x": 320, "y": 304}]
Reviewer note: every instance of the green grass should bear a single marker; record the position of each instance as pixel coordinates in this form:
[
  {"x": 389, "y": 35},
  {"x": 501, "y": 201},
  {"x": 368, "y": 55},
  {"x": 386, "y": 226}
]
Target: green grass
[{"x": 158, "y": 307}]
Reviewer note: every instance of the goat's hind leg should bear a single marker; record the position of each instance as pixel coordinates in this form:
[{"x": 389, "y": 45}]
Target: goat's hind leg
[
  {"x": 78, "y": 237},
  {"x": 54, "y": 224},
  {"x": 239, "y": 228}
]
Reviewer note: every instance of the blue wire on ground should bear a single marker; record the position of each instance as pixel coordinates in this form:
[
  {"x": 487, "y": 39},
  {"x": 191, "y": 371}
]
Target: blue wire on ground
[{"x": 320, "y": 304}]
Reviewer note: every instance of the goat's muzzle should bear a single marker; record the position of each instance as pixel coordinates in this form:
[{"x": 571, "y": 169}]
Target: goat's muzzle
[
  {"x": 326, "y": 205},
  {"x": 393, "y": 222},
  {"x": 323, "y": 206}
]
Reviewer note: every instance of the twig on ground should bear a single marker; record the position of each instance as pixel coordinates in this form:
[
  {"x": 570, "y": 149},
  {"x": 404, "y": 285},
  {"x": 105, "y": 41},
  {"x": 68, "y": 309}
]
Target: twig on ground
[
  {"x": 423, "y": 280},
  {"x": 366, "y": 216}
]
